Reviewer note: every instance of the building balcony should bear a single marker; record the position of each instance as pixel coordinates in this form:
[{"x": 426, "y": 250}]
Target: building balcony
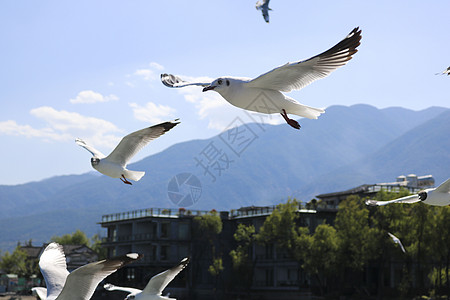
[{"x": 152, "y": 212}]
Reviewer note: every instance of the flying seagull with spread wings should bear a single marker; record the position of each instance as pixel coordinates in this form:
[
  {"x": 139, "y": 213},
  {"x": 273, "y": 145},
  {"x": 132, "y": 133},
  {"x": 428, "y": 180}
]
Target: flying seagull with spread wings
[
  {"x": 81, "y": 283},
  {"x": 114, "y": 165},
  {"x": 154, "y": 288},
  {"x": 263, "y": 94},
  {"x": 263, "y": 6},
  {"x": 397, "y": 241},
  {"x": 439, "y": 196}
]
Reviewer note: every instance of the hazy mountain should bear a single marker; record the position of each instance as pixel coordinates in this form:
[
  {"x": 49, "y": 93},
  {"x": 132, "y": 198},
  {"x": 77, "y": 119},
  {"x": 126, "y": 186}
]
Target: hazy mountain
[
  {"x": 251, "y": 164},
  {"x": 422, "y": 150}
]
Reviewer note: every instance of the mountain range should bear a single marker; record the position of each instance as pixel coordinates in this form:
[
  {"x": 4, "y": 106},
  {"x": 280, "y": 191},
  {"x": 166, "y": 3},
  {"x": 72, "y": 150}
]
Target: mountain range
[{"x": 247, "y": 164}]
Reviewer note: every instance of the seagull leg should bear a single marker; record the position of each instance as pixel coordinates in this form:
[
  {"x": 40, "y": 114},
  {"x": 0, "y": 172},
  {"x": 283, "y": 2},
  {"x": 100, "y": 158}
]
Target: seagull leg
[
  {"x": 124, "y": 180},
  {"x": 291, "y": 122}
]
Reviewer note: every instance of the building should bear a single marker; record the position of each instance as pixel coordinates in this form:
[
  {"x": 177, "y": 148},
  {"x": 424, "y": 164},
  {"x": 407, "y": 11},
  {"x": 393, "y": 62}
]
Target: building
[
  {"x": 165, "y": 236},
  {"x": 412, "y": 183}
]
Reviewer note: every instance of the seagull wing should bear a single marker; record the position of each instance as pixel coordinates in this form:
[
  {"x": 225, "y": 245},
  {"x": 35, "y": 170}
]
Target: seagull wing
[
  {"x": 446, "y": 71},
  {"x": 54, "y": 269},
  {"x": 91, "y": 149},
  {"x": 110, "y": 287},
  {"x": 174, "y": 81},
  {"x": 134, "y": 142},
  {"x": 407, "y": 199},
  {"x": 297, "y": 75},
  {"x": 265, "y": 13},
  {"x": 81, "y": 283},
  {"x": 41, "y": 292},
  {"x": 444, "y": 187},
  {"x": 159, "y": 282}
]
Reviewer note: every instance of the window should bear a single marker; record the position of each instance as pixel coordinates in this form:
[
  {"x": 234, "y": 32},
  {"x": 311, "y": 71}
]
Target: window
[
  {"x": 269, "y": 251},
  {"x": 164, "y": 252},
  {"x": 165, "y": 230},
  {"x": 130, "y": 274},
  {"x": 183, "y": 251},
  {"x": 269, "y": 277},
  {"x": 183, "y": 231}
]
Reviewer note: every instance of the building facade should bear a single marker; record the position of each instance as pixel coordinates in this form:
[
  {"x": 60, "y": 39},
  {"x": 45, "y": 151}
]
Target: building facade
[{"x": 165, "y": 236}]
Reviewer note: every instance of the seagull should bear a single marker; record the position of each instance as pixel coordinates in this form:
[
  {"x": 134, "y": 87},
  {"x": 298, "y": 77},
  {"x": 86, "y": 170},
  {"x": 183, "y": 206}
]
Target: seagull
[
  {"x": 397, "y": 241},
  {"x": 81, "y": 283},
  {"x": 446, "y": 71},
  {"x": 263, "y": 6},
  {"x": 155, "y": 286},
  {"x": 114, "y": 165},
  {"x": 439, "y": 196},
  {"x": 268, "y": 87}
]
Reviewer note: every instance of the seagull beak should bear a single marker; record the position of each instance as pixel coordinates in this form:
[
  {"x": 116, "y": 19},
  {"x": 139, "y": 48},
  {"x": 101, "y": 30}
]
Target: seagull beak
[{"x": 211, "y": 87}]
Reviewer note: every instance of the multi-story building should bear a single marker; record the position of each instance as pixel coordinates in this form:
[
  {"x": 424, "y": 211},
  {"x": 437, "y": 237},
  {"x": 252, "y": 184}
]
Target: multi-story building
[{"x": 165, "y": 236}]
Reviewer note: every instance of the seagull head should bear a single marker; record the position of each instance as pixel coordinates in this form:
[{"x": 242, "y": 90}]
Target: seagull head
[
  {"x": 95, "y": 161},
  {"x": 423, "y": 195},
  {"x": 218, "y": 85}
]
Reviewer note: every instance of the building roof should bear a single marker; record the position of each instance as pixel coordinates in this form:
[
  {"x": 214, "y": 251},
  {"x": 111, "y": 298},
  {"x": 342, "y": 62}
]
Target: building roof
[
  {"x": 357, "y": 190},
  {"x": 31, "y": 251}
]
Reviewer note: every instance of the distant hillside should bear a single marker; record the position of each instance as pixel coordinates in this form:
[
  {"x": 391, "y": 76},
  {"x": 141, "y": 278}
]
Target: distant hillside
[
  {"x": 345, "y": 147},
  {"x": 422, "y": 150}
]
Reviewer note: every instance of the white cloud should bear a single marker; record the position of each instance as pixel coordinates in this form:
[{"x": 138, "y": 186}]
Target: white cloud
[
  {"x": 156, "y": 66},
  {"x": 150, "y": 74},
  {"x": 11, "y": 127},
  {"x": 92, "y": 97},
  {"x": 152, "y": 112},
  {"x": 146, "y": 74},
  {"x": 65, "y": 126}
]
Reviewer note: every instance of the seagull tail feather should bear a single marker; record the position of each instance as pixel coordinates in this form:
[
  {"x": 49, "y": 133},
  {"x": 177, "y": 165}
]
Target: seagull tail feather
[{"x": 134, "y": 175}]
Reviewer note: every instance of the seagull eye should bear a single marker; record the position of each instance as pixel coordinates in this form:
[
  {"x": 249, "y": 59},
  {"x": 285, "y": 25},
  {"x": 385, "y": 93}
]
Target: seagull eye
[
  {"x": 219, "y": 81},
  {"x": 228, "y": 82}
]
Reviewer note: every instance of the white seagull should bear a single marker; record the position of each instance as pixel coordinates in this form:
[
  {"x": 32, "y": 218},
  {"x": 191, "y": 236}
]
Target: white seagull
[
  {"x": 263, "y": 94},
  {"x": 397, "y": 241},
  {"x": 446, "y": 71},
  {"x": 154, "y": 288},
  {"x": 439, "y": 196},
  {"x": 114, "y": 165},
  {"x": 264, "y": 7},
  {"x": 81, "y": 283}
]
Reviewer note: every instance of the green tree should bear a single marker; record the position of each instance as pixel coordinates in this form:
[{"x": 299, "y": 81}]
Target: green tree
[
  {"x": 421, "y": 233},
  {"x": 440, "y": 243},
  {"x": 210, "y": 226},
  {"x": 352, "y": 227},
  {"x": 242, "y": 264},
  {"x": 79, "y": 238},
  {"x": 96, "y": 245},
  {"x": 321, "y": 255},
  {"x": 76, "y": 238},
  {"x": 280, "y": 227},
  {"x": 381, "y": 249},
  {"x": 18, "y": 263},
  {"x": 244, "y": 236}
]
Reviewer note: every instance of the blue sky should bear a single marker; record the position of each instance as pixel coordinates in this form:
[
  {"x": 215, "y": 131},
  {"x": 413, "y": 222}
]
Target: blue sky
[{"x": 90, "y": 69}]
